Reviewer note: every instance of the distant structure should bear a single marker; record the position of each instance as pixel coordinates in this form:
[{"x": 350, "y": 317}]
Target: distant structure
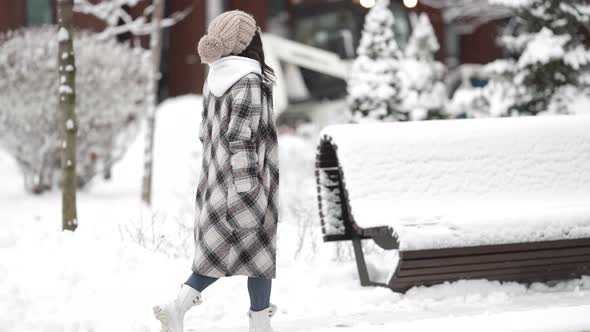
[{"x": 332, "y": 25}]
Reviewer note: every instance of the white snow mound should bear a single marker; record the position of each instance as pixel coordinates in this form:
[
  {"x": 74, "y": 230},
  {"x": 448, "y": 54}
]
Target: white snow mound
[{"x": 457, "y": 183}]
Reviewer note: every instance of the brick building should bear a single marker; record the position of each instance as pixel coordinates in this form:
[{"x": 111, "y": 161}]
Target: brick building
[{"x": 306, "y": 21}]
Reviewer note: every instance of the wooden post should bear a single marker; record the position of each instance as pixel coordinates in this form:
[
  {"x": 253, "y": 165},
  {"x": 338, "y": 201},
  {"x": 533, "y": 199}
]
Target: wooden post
[
  {"x": 156, "y": 51},
  {"x": 361, "y": 265},
  {"x": 67, "y": 111}
]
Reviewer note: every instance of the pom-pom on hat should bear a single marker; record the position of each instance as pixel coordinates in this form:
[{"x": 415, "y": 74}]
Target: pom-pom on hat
[{"x": 229, "y": 33}]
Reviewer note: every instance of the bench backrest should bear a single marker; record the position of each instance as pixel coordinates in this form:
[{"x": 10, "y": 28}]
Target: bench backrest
[{"x": 516, "y": 158}]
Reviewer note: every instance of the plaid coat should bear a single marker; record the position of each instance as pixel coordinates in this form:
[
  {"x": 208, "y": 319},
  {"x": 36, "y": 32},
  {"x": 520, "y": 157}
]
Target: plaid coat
[{"x": 237, "y": 196}]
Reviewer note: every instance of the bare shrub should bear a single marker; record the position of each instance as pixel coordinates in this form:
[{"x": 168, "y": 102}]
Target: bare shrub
[{"x": 112, "y": 95}]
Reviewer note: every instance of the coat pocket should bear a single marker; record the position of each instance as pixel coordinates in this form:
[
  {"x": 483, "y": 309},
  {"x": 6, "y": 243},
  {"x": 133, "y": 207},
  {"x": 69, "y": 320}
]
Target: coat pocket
[
  {"x": 246, "y": 209},
  {"x": 244, "y": 166}
]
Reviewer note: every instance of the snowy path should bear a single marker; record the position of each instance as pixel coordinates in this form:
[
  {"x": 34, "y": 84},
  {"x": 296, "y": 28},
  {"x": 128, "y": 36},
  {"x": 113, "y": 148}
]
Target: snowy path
[
  {"x": 95, "y": 280},
  {"x": 463, "y": 306},
  {"x": 558, "y": 319}
]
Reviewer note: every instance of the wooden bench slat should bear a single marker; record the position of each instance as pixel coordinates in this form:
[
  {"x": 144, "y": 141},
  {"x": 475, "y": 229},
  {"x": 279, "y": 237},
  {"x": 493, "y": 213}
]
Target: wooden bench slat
[
  {"x": 437, "y": 270},
  {"x": 521, "y": 274},
  {"x": 430, "y": 253},
  {"x": 469, "y": 258},
  {"x": 499, "y": 272},
  {"x": 403, "y": 284}
]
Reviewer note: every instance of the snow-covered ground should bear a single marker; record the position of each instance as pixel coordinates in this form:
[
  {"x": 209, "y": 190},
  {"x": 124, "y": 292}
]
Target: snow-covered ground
[{"x": 123, "y": 259}]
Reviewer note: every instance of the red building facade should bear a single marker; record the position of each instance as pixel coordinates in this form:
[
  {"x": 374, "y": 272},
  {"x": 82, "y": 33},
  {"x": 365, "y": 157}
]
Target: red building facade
[{"x": 183, "y": 72}]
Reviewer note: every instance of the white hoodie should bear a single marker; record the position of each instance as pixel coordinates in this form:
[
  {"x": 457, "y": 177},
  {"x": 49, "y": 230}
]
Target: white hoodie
[{"x": 226, "y": 71}]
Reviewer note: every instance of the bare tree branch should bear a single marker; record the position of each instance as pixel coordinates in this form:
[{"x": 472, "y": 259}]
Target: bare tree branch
[{"x": 119, "y": 21}]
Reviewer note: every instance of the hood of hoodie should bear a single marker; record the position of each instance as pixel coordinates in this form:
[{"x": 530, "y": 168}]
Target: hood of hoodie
[{"x": 226, "y": 71}]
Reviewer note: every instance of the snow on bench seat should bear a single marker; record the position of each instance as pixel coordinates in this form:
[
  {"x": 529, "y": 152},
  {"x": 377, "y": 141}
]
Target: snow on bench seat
[
  {"x": 456, "y": 183},
  {"x": 466, "y": 224}
]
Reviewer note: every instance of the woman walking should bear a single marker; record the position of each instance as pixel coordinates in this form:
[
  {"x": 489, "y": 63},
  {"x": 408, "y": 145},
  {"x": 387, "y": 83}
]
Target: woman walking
[{"x": 237, "y": 196}]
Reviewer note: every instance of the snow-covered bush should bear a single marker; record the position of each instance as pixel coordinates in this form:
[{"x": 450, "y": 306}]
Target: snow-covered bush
[
  {"x": 468, "y": 102},
  {"x": 548, "y": 68},
  {"x": 572, "y": 100},
  {"x": 495, "y": 99},
  {"x": 112, "y": 94},
  {"x": 423, "y": 92},
  {"x": 373, "y": 88},
  {"x": 549, "y": 52}
]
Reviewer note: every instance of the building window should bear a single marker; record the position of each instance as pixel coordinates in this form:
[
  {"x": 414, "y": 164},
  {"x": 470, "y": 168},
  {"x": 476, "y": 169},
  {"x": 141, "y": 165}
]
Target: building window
[
  {"x": 277, "y": 7},
  {"x": 39, "y": 12},
  {"x": 401, "y": 24},
  {"x": 328, "y": 30}
]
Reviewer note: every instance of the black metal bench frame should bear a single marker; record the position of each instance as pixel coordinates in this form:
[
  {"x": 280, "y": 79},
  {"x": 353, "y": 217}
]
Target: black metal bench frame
[
  {"x": 326, "y": 161},
  {"x": 522, "y": 262}
]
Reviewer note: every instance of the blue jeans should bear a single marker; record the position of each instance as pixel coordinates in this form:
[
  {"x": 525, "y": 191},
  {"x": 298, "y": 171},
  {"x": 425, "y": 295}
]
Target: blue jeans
[{"x": 258, "y": 288}]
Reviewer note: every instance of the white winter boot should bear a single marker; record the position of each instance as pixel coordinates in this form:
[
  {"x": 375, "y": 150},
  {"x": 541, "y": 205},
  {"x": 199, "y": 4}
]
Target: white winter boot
[
  {"x": 260, "y": 320},
  {"x": 171, "y": 314}
]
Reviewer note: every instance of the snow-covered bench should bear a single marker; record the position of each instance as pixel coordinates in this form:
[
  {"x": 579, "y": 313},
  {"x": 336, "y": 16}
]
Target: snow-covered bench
[{"x": 499, "y": 199}]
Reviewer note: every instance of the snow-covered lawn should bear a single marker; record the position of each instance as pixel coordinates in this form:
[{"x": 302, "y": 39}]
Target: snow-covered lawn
[{"x": 101, "y": 279}]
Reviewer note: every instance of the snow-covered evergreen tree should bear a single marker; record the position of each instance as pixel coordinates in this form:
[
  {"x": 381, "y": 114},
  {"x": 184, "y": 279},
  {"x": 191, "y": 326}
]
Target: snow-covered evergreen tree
[
  {"x": 548, "y": 48},
  {"x": 423, "y": 43},
  {"x": 373, "y": 91},
  {"x": 421, "y": 76}
]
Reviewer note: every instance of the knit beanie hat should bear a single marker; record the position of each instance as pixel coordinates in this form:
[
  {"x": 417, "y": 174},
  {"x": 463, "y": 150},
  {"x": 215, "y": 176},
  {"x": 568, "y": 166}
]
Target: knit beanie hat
[{"x": 229, "y": 33}]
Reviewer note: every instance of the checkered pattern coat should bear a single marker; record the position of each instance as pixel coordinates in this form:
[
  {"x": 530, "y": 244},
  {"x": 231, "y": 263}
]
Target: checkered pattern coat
[{"x": 237, "y": 196}]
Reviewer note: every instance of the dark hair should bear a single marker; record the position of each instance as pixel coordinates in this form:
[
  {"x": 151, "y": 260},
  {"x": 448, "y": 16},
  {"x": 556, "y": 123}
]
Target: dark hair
[{"x": 255, "y": 51}]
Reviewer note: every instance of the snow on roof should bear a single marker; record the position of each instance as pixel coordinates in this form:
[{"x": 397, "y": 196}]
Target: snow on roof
[{"x": 454, "y": 183}]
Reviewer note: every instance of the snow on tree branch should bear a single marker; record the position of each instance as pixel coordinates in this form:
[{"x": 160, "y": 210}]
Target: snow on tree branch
[
  {"x": 469, "y": 14},
  {"x": 119, "y": 21},
  {"x": 548, "y": 69}
]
